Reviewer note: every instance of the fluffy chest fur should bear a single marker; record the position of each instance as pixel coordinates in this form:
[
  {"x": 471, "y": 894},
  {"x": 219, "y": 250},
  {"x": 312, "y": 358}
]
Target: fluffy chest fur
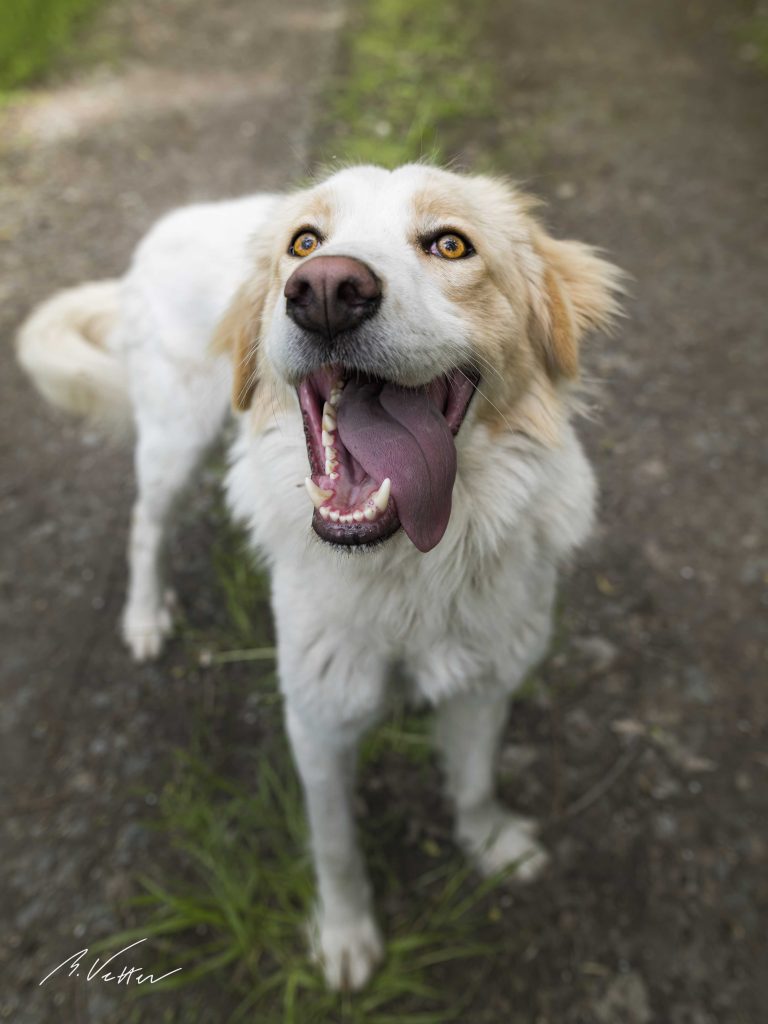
[{"x": 474, "y": 609}]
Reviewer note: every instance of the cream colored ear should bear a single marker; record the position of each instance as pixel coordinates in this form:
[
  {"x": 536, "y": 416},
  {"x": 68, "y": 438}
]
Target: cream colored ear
[
  {"x": 580, "y": 293},
  {"x": 238, "y": 334}
]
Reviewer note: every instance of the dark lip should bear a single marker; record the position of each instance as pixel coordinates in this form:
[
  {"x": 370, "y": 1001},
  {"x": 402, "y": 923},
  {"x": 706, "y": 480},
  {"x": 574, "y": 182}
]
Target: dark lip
[
  {"x": 368, "y": 534},
  {"x": 348, "y": 535}
]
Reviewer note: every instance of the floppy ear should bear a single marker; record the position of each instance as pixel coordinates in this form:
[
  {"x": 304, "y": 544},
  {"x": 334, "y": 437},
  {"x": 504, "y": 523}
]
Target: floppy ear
[
  {"x": 238, "y": 334},
  {"x": 578, "y": 291}
]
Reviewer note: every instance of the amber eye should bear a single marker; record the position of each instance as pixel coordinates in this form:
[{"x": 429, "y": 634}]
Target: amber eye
[
  {"x": 450, "y": 247},
  {"x": 304, "y": 244}
]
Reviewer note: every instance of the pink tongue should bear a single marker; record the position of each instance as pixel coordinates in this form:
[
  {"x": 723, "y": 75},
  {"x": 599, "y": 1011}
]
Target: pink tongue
[{"x": 402, "y": 434}]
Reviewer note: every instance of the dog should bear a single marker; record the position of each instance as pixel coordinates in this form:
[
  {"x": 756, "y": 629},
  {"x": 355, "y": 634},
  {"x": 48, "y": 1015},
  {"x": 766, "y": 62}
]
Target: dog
[{"x": 402, "y": 352}]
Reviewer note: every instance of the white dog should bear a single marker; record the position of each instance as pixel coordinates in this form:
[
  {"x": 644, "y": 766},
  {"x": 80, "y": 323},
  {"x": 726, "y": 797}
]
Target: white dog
[{"x": 410, "y": 339}]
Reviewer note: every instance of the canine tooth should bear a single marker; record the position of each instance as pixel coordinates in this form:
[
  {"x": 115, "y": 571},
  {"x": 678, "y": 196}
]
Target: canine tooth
[
  {"x": 328, "y": 439},
  {"x": 334, "y": 515},
  {"x": 324, "y": 511},
  {"x": 358, "y": 516},
  {"x": 380, "y": 498},
  {"x": 317, "y": 494},
  {"x": 371, "y": 513}
]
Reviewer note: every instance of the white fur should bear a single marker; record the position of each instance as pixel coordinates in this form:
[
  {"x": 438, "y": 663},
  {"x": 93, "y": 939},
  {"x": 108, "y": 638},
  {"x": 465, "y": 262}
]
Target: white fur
[
  {"x": 468, "y": 620},
  {"x": 61, "y": 346},
  {"x": 183, "y": 275}
]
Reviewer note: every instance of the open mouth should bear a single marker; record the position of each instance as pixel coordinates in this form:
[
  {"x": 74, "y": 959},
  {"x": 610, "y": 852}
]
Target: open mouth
[{"x": 381, "y": 455}]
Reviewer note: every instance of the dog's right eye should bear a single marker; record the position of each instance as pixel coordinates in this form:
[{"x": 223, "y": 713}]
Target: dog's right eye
[{"x": 304, "y": 244}]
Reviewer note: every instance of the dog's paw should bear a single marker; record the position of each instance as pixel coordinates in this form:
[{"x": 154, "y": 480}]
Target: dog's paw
[
  {"x": 348, "y": 953},
  {"x": 145, "y": 629},
  {"x": 502, "y": 841}
]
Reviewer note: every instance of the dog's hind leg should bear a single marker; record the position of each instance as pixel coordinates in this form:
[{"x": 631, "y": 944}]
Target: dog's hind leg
[
  {"x": 468, "y": 731},
  {"x": 175, "y": 425}
]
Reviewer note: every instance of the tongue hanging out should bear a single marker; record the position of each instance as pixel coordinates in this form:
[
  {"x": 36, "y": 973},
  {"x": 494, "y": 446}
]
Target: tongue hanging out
[
  {"x": 382, "y": 455},
  {"x": 401, "y": 434}
]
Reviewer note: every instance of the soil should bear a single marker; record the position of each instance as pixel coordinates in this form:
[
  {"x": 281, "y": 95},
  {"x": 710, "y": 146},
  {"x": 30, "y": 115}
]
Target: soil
[{"x": 646, "y": 747}]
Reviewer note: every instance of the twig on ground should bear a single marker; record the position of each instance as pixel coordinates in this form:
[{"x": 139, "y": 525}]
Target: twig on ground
[{"x": 601, "y": 787}]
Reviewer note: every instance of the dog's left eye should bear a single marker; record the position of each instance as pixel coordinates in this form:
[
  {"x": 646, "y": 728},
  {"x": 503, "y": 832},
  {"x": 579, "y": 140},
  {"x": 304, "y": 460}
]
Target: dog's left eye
[
  {"x": 451, "y": 247},
  {"x": 304, "y": 243}
]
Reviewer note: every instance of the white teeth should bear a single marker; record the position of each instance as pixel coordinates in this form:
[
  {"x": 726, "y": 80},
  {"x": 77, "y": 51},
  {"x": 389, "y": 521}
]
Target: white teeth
[
  {"x": 316, "y": 494},
  {"x": 380, "y": 498},
  {"x": 359, "y": 515},
  {"x": 329, "y": 417},
  {"x": 335, "y": 394},
  {"x": 375, "y": 504},
  {"x": 331, "y": 457}
]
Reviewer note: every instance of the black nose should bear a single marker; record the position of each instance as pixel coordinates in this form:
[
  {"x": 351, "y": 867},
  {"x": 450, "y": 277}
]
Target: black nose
[{"x": 330, "y": 294}]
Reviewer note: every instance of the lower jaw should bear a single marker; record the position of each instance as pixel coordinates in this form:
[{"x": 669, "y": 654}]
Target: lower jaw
[{"x": 358, "y": 534}]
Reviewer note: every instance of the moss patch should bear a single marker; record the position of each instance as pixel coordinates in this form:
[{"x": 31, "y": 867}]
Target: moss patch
[
  {"x": 754, "y": 39},
  {"x": 32, "y": 32},
  {"x": 411, "y": 75}
]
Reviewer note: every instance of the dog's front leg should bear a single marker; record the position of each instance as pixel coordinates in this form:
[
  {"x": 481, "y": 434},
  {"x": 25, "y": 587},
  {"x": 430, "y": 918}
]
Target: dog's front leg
[
  {"x": 468, "y": 731},
  {"x": 346, "y": 938}
]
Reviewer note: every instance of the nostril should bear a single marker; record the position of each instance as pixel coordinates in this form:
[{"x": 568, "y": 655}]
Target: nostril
[
  {"x": 349, "y": 293},
  {"x": 298, "y": 290},
  {"x": 361, "y": 290}
]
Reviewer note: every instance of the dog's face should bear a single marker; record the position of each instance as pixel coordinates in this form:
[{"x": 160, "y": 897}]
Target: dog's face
[{"x": 391, "y": 300}]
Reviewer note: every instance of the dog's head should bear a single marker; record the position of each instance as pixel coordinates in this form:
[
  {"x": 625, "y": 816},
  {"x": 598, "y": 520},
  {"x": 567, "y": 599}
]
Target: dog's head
[{"x": 391, "y": 301}]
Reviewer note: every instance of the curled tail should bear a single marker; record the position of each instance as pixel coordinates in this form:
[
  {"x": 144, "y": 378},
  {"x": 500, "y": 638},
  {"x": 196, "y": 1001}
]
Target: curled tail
[{"x": 62, "y": 346}]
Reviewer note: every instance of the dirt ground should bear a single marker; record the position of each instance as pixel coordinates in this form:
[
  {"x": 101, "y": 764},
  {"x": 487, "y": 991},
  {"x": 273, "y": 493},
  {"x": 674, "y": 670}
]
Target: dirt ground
[{"x": 647, "y": 751}]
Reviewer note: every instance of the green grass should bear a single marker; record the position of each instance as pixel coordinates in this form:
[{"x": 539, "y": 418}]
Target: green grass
[
  {"x": 234, "y": 910},
  {"x": 32, "y": 32},
  {"x": 244, "y": 587},
  {"x": 754, "y": 35},
  {"x": 411, "y": 75}
]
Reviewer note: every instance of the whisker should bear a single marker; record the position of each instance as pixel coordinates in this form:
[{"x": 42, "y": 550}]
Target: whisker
[
  {"x": 272, "y": 390},
  {"x": 477, "y": 389},
  {"x": 485, "y": 362}
]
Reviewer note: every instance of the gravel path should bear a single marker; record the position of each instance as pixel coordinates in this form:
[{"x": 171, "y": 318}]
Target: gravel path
[{"x": 647, "y": 134}]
